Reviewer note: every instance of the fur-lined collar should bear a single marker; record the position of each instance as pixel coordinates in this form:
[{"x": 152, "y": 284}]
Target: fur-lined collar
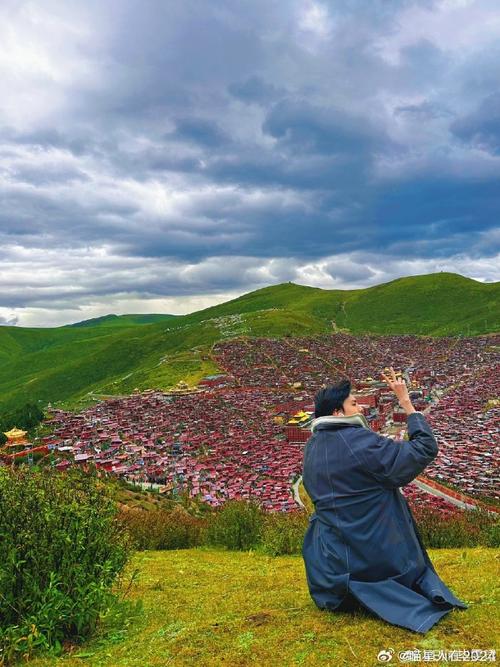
[{"x": 354, "y": 420}]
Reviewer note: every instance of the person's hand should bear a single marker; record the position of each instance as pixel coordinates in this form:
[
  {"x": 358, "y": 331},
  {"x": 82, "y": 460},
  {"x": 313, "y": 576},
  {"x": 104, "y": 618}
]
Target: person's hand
[{"x": 398, "y": 386}]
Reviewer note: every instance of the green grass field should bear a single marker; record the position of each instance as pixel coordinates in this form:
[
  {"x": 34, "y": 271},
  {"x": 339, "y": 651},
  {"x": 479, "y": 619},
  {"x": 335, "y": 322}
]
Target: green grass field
[
  {"x": 71, "y": 365},
  {"x": 210, "y": 607},
  {"x": 122, "y": 320}
]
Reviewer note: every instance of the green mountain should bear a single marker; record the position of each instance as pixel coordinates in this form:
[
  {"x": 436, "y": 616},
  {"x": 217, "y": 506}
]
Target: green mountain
[
  {"x": 76, "y": 364},
  {"x": 121, "y": 320}
]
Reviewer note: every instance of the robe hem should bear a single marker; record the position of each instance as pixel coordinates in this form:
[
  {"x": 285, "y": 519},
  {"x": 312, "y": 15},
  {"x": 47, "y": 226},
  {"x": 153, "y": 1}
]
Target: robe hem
[
  {"x": 429, "y": 621},
  {"x": 426, "y": 624}
]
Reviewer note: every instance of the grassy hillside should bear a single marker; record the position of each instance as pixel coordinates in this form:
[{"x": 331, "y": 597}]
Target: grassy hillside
[
  {"x": 436, "y": 304},
  {"x": 121, "y": 320},
  {"x": 208, "y": 607},
  {"x": 116, "y": 354}
]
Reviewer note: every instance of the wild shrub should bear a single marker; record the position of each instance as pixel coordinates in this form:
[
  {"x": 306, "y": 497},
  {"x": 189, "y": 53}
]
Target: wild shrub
[
  {"x": 283, "y": 533},
  {"x": 61, "y": 550},
  {"x": 163, "y": 529},
  {"x": 243, "y": 524},
  {"x": 459, "y": 528},
  {"x": 236, "y": 525},
  {"x": 492, "y": 535}
]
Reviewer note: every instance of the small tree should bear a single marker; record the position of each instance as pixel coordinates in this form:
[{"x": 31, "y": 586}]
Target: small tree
[{"x": 61, "y": 549}]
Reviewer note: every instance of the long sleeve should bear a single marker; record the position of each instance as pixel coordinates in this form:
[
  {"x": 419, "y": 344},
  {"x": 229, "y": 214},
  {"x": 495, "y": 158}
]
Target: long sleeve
[{"x": 395, "y": 463}]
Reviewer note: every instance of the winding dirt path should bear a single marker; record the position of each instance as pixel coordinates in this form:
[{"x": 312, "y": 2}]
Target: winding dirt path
[{"x": 459, "y": 500}]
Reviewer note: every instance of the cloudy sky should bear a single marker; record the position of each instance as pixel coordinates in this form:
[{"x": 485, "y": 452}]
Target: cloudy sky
[{"x": 164, "y": 156}]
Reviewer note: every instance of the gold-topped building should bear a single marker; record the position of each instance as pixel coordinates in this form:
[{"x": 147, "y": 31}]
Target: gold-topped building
[
  {"x": 15, "y": 436},
  {"x": 16, "y": 441},
  {"x": 182, "y": 387}
]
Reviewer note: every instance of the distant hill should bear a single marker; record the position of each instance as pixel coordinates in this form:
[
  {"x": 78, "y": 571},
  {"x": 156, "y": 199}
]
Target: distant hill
[
  {"x": 121, "y": 320},
  {"x": 435, "y": 304},
  {"x": 107, "y": 357}
]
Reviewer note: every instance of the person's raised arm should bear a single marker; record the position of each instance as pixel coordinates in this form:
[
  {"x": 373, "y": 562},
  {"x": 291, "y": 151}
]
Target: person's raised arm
[{"x": 397, "y": 462}]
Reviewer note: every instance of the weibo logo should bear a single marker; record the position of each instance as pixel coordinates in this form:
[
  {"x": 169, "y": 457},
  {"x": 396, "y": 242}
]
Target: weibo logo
[{"x": 385, "y": 655}]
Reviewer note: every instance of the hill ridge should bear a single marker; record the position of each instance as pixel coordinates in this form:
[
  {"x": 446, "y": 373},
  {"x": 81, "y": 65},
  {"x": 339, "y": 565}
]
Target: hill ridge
[{"x": 68, "y": 363}]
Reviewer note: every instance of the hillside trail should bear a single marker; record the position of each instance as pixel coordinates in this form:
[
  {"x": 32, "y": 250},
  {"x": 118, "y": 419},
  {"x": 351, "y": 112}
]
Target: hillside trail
[{"x": 424, "y": 484}]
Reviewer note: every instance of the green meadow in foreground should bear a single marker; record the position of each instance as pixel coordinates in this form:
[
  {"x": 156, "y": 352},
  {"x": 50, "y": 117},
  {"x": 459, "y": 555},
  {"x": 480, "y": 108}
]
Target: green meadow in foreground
[
  {"x": 72, "y": 366},
  {"x": 211, "y": 607}
]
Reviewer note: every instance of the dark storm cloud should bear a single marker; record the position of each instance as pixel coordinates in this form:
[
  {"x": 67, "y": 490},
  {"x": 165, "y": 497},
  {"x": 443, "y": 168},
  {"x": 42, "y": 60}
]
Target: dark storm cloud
[
  {"x": 424, "y": 62},
  {"x": 298, "y": 134},
  {"x": 49, "y": 174},
  {"x": 255, "y": 90},
  {"x": 300, "y": 126},
  {"x": 45, "y": 138},
  {"x": 482, "y": 127},
  {"x": 422, "y": 112},
  {"x": 199, "y": 131},
  {"x": 442, "y": 215}
]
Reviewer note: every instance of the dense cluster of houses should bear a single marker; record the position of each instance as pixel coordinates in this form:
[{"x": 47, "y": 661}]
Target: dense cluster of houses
[
  {"x": 242, "y": 434},
  {"x": 466, "y": 422},
  {"x": 220, "y": 443},
  {"x": 318, "y": 360}
]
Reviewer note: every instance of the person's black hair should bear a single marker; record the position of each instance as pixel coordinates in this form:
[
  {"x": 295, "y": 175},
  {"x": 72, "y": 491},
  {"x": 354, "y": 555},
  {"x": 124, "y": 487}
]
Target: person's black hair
[{"x": 331, "y": 398}]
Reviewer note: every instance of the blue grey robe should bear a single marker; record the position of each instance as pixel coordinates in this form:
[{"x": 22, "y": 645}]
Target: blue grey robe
[{"x": 362, "y": 542}]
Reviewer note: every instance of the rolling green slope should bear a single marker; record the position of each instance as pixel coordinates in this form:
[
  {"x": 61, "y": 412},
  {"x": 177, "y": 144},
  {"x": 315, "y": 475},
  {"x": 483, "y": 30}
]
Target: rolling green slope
[
  {"x": 121, "y": 320},
  {"x": 436, "y": 304},
  {"x": 69, "y": 363}
]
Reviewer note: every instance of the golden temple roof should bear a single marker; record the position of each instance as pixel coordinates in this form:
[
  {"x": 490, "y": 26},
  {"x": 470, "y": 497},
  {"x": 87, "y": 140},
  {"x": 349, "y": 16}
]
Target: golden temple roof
[{"x": 15, "y": 433}]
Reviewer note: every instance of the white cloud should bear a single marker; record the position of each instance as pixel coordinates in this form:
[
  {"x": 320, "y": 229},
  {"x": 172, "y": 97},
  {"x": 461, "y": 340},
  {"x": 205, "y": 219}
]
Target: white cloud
[
  {"x": 41, "y": 60},
  {"x": 458, "y": 26}
]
